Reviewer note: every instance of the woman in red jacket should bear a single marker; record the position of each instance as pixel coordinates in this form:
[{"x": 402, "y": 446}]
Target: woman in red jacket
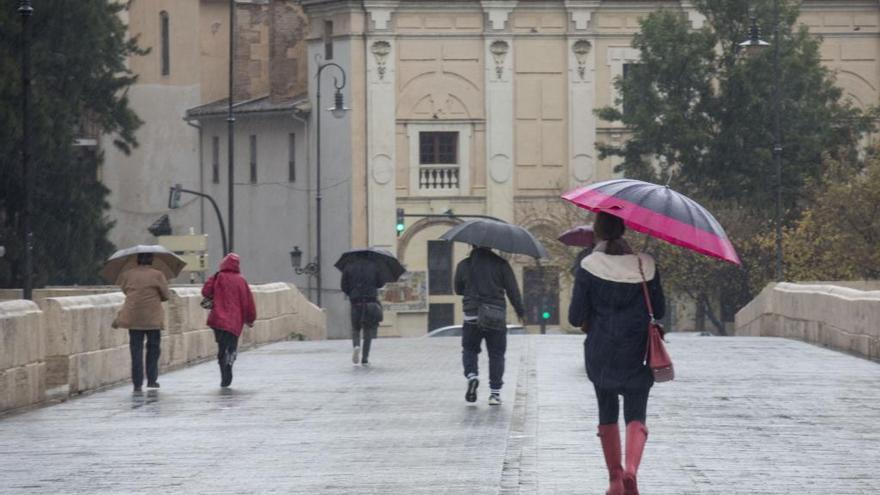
[{"x": 233, "y": 308}]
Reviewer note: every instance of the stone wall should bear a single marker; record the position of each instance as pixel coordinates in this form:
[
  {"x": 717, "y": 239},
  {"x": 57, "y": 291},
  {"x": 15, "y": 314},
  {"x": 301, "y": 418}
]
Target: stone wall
[
  {"x": 66, "y": 345},
  {"x": 837, "y": 317},
  {"x": 22, "y": 354}
]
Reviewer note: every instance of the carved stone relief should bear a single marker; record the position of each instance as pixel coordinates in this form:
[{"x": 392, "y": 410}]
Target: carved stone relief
[
  {"x": 499, "y": 51},
  {"x": 381, "y": 49},
  {"x": 581, "y": 49}
]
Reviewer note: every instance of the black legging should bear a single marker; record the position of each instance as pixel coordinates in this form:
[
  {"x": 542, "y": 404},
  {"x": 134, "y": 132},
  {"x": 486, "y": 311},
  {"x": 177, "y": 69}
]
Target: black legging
[{"x": 635, "y": 405}]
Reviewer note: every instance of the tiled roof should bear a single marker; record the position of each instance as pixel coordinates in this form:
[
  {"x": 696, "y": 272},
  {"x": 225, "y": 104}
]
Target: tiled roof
[{"x": 262, "y": 104}]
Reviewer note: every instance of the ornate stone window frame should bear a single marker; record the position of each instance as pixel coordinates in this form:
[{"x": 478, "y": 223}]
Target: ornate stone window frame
[{"x": 465, "y": 132}]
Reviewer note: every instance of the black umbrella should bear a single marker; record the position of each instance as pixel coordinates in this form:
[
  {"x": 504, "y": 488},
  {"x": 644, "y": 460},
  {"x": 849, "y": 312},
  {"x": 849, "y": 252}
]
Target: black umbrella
[
  {"x": 389, "y": 266},
  {"x": 499, "y": 235}
]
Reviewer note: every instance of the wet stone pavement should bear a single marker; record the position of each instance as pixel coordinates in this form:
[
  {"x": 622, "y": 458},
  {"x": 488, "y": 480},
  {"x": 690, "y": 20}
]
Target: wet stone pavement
[{"x": 745, "y": 416}]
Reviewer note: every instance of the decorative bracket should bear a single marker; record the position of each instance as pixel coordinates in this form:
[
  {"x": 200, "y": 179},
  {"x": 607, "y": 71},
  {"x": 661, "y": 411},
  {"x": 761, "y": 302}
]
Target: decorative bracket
[
  {"x": 499, "y": 11},
  {"x": 499, "y": 51},
  {"x": 380, "y": 50}
]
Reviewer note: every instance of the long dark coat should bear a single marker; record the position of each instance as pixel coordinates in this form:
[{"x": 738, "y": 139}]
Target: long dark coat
[{"x": 608, "y": 296}]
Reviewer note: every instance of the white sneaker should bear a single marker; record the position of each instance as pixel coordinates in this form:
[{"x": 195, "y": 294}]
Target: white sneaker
[
  {"x": 356, "y": 355},
  {"x": 494, "y": 400}
]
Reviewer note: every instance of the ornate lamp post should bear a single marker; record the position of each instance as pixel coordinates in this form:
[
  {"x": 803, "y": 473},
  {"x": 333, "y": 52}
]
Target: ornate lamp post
[
  {"x": 25, "y": 11},
  {"x": 752, "y": 45},
  {"x": 338, "y": 110},
  {"x": 311, "y": 269}
]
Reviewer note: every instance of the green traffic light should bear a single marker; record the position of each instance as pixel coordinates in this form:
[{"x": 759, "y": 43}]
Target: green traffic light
[
  {"x": 400, "y": 227},
  {"x": 545, "y": 315}
]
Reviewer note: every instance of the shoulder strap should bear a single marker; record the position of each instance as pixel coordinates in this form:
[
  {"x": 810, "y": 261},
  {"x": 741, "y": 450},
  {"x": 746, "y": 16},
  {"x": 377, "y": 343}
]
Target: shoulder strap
[{"x": 645, "y": 290}]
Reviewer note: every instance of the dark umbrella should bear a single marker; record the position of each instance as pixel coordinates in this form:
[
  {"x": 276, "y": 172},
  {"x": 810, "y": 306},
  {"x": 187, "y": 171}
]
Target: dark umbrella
[
  {"x": 390, "y": 268},
  {"x": 659, "y": 212},
  {"x": 499, "y": 235},
  {"x": 578, "y": 236}
]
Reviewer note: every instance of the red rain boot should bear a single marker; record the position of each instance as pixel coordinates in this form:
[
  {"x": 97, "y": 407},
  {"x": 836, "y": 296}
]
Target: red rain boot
[
  {"x": 636, "y": 436},
  {"x": 610, "y": 436}
]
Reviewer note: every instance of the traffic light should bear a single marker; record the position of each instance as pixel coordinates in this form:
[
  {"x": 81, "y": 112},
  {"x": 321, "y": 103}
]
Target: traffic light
[
  {"x": 174, "y": 197},
  {"x": 400, "y": 226},
  {"x": 545, "y": 315}
]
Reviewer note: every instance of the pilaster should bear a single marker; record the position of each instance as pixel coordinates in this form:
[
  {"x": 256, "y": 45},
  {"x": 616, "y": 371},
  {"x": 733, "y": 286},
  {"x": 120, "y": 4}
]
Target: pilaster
[
  {"x": 499, "y": 78},
  {"x": 582, "y": 91},
  {"x": 381, "y": 122}
]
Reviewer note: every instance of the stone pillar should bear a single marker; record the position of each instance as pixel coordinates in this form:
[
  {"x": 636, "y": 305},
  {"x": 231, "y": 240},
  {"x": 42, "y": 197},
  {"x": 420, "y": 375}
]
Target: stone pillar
[
  {"x": 381, "y": 123},
  {"x": 499, "y": 110},
  {"x": 582, "y": 91}
]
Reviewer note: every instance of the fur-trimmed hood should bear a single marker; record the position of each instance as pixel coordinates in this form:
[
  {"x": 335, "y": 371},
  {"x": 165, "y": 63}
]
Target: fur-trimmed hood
[{"x": 623, "y": 268}]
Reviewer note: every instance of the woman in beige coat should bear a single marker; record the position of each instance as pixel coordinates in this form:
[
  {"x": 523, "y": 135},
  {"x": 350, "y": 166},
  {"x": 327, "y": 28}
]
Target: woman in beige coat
[{"x": 145, "y": 289}]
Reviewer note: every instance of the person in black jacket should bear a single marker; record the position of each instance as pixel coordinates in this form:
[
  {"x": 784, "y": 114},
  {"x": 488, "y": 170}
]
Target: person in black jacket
[
  {"x": 485, "y": 277},
  {"x": 608, "y": 297},
  {"x": 361, "y": 281}
]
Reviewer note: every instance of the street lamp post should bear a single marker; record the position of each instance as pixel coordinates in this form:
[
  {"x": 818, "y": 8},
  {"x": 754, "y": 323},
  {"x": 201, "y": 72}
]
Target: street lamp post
[
  {"x": 752, "y": 44},
  {"x": 230, "y": 119},
  {"x": 25, "y": 11},
  {"x": 338, "y": 110}
]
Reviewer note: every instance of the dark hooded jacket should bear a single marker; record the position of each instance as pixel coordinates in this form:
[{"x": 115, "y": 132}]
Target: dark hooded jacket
[
  {"x": 486, "y": 277},
  {"x": 608, "y": 296},
  {"x": 361, "y": 280}
]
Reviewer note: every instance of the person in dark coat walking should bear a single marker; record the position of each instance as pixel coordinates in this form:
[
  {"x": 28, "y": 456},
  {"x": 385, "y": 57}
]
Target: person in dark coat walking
[
  {"x": 233, "y": 308},
  {"x": 361, "y": 281},
  {"x": 608, "y": 298},
  {"x": 484, "y": 278}
]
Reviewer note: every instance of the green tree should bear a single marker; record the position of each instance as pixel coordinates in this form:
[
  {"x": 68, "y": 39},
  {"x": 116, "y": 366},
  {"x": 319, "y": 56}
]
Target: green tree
[
  {"x": 79, "y": 53},
  {"x": 837, "y": 235},
  {"x": 700, "y": 117}
]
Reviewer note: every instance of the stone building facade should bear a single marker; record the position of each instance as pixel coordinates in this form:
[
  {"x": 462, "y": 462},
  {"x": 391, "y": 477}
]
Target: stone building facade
[
  {"x": 465, "y": 106},
  {"x": 487, "y": 107}
]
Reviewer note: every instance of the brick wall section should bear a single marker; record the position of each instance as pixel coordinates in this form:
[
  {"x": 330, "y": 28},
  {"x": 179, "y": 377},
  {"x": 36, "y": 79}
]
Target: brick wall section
[
  {"x": 288, "y": 56},
  {"x": 251, "y": 51}
]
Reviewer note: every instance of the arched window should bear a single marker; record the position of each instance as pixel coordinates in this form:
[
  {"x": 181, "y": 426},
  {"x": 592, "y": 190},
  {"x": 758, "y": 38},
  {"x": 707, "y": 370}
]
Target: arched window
[{"x": 165, "y": 42}]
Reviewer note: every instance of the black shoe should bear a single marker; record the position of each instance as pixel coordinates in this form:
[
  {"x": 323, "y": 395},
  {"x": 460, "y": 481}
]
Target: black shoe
[
  {"x": 471, "y": 395},
  {"x": 365, "y": 363},
  {"x": 137, "y": 389},
  {"x": 153, "y": 385},
  {"x": 226, "y": 376}
]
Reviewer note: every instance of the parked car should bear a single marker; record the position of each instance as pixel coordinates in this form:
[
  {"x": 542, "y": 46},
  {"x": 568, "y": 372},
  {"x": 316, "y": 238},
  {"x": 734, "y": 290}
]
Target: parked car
[{"x": 455, "y": 331}]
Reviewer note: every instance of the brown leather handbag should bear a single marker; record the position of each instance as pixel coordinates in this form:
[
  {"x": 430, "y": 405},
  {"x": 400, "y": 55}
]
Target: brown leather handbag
[{"x": 656, "y": 356}]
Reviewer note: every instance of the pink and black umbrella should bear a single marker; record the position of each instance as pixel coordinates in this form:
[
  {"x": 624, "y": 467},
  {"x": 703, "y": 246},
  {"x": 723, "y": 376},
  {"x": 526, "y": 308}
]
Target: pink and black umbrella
[
  {"x": 578, "y": 236},
  {"x": 659, "y": 212}
]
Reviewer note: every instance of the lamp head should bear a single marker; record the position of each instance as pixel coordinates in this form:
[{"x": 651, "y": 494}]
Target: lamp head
[
  {"x": 338, "y": 110},
  {"x": 754, "y": 44},
  {"x": 296, "y": 257}
]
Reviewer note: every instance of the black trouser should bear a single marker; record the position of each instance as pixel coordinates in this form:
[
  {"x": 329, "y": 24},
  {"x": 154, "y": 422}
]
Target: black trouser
[
  {"x": 358, "y": 323},
  {"x": 227, "y": 347},
  {"x": 472, "y": 336},
  {"x": 136, "y": 346},
  {"x": 635, "y": 405}
]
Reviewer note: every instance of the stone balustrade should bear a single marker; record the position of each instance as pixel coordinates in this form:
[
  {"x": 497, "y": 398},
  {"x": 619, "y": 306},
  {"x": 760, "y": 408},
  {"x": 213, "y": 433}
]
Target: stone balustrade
[
  {"x": 66, "y": 345},
  {"x": 837, "y": 317}
]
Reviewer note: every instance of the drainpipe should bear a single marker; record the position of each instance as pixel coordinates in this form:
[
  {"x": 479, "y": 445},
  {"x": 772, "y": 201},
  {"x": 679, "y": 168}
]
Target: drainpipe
[{"x": 308, "y": 140}]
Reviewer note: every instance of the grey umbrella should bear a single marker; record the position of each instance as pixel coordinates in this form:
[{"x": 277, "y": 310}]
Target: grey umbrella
[
  {"x": 499, "y": 235},
  {"x": 164, "y": 260}
]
